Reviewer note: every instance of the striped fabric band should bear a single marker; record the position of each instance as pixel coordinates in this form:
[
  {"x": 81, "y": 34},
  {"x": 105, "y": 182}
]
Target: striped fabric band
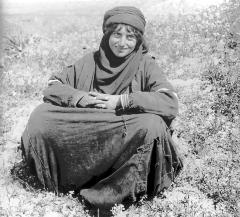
[
  {"x": 167, "y": 90},
  {"x": 53, "y": 81},
  {"x": 124, "y": 100}
]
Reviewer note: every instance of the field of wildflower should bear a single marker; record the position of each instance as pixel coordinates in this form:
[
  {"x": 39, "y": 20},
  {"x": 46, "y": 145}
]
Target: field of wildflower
[{"x": 199, "y": 51}]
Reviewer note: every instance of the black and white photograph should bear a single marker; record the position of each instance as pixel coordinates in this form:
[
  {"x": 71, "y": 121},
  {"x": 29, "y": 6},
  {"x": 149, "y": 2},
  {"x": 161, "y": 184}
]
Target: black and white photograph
[{"x": 120, "y": 108}]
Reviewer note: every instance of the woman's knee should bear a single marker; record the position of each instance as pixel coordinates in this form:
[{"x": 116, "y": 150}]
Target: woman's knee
[
  {"x": 152, "y": 124},
  {"x": 37, "y": 121}
]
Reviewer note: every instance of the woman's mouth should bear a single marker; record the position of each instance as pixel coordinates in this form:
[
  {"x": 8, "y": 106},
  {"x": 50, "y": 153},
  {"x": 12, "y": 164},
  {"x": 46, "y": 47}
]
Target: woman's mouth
[{"x": 122, "y": 50}]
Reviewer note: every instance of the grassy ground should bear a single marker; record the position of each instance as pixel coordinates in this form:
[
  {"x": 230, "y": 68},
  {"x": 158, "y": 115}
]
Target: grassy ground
[{"x": 193, "y": 50}]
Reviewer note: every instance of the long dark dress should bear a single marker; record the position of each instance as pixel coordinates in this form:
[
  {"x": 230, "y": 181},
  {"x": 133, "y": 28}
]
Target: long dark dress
[{"x": 107, "y": 155}]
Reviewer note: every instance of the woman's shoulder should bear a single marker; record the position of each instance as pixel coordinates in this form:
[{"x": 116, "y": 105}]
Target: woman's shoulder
[{"x": 148, "y": 61}]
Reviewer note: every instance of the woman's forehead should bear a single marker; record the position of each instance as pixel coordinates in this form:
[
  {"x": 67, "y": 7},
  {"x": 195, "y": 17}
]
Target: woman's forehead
[{"x": 126, "y": 27}]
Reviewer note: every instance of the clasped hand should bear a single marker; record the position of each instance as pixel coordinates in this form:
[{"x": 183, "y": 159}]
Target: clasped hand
[{"x": 99, "y": 100}]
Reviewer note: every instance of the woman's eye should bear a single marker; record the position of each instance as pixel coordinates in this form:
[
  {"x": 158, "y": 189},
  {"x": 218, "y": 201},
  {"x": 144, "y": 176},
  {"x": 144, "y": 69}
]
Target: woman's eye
[
  {"x": 131, "y": 37},
  {"x": 116, "y": 34}
]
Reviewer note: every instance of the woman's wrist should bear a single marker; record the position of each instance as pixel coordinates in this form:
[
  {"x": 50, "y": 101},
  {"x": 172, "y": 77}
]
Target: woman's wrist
[{"x": 123, "y": 102}]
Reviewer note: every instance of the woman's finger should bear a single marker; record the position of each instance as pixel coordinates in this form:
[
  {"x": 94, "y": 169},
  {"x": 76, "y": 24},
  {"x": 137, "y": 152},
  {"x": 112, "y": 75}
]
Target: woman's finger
[
  {"x": 95, "y": 102},
  {"x": 94, "y": 94},
  {"x": 102, "y": 97},
  {"x": 103, "y": 106}
]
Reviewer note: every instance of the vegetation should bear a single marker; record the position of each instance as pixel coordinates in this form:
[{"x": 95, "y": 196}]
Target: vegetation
[{"x": 200, "y": 53}]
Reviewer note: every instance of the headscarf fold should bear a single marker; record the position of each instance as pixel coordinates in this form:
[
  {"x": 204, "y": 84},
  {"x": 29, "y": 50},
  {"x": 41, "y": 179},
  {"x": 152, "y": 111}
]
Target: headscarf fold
[
  {"x": 115, "y": 74},
  {"x": 125, "y": 14}
]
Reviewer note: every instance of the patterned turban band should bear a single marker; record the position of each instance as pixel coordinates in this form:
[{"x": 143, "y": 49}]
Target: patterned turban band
[{"x": 127, "y": 15}]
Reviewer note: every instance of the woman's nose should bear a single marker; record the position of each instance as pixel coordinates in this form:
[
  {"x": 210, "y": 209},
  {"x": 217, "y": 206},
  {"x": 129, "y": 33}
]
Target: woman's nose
[{"x": 122, "y": 41}]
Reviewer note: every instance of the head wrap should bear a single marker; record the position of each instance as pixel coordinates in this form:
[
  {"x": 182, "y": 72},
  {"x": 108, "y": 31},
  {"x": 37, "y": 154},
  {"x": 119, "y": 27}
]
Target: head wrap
[
  {"x": 127, "y": 15},
  {"x": 113, "y": 74}
]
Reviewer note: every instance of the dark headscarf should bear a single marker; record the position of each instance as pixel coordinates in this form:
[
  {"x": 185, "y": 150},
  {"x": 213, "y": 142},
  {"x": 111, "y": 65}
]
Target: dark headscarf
[
  {"x": 125, "y": 14},
  {"x": 114, "y": 74}
]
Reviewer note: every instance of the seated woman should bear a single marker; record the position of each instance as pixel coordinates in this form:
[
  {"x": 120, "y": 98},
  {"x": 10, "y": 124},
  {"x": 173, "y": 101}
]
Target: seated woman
[{"x": 103, "y": 128}]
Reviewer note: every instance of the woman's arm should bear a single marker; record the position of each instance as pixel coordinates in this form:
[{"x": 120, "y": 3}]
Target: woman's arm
[
  {"x": 158, "y": 96},
  {"x": 62, "y": 89},
  {"x": 71, "y": 87}
]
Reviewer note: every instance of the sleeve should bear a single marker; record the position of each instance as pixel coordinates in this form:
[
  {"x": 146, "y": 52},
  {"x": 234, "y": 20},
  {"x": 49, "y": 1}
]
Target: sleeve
[
  {"x": 62, "y": 89},
  {"x": 158, "y": 96}
]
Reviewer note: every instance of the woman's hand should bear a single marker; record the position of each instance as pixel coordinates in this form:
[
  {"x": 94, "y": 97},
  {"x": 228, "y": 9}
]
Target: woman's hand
[
  {"x": 105, "y": 101},
  {"x": 88, "y": 101}
]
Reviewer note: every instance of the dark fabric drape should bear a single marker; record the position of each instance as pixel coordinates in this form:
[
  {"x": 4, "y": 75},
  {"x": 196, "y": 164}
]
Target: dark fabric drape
[
  {"x": 107, "y": 157},
  {"x": 114, "y": 74},
  {"x": 149, "y": 91}
]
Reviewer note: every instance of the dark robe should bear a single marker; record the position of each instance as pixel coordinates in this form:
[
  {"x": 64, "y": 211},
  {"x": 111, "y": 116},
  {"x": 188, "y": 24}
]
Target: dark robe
[{"x": 108, "y": 155}]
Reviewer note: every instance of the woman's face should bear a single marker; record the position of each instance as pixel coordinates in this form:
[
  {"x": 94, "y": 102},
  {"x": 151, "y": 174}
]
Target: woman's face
[{"x": 122, "y": 41}]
